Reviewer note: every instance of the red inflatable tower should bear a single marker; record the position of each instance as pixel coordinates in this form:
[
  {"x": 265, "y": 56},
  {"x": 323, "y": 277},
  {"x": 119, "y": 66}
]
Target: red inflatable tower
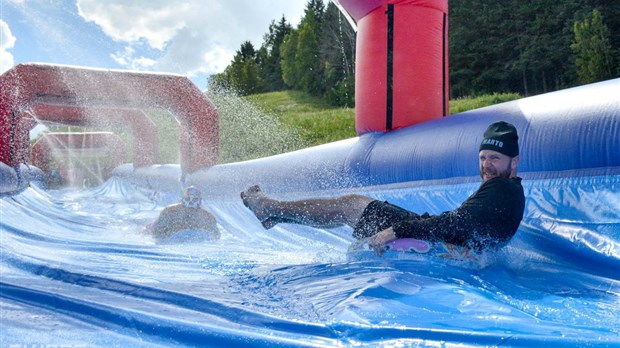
[{"x": 401, "y": 62}]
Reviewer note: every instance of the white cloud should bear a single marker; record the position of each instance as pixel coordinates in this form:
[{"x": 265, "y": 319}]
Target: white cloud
[
  {"x": 7, "y": 41},
  {"x": 191, "y": 36},
  {"x": 153, "y": 21},
  {"x": 127, "y": 58}
]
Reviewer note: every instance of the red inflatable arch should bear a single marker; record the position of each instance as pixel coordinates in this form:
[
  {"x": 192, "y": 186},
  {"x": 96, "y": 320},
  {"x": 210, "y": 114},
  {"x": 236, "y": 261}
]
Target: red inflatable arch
[
  {"x": 401, "y": 72},
  {"x": 31, "y": 86}
]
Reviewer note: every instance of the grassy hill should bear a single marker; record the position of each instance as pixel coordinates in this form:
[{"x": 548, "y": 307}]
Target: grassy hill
[
  {"x": 267, "y": 124},
  {"x": 319, "y": 123},
  {"x": 315, "y": 121}
]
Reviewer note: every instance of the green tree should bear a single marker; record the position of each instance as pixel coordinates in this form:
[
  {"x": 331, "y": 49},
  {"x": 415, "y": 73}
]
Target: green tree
[
  {"x": 480, "y": 52},
  {"x": 337, "y": 49},
  {"x": 217, "y": 83},
  {"x": 308, "y": 60},
  {"x": 592, "y": 48},
  {"x": 269, "y": 55},
  {"x": 288, "y": 52},
  {"x": 610, "y": 10},
  {"x": 545, "y": 45},
  {"x": 519, "y": 46},
  {"x": 243, "y": 71}
]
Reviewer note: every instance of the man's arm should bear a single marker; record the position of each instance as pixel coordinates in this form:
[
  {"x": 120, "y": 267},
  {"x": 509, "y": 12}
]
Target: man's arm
[{"x": 479, "y": 220}]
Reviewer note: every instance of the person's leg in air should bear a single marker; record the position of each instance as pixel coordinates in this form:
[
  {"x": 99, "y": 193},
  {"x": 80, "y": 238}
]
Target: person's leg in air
[{"x": 316, "y": 212}]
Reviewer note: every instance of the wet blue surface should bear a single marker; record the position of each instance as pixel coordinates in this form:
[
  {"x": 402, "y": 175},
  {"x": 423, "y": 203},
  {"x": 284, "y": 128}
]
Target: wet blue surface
[{"x": 77, "y": 270}]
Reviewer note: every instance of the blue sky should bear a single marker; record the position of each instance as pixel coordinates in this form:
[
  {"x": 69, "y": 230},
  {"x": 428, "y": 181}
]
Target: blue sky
[{"x": 194, "y": 38}]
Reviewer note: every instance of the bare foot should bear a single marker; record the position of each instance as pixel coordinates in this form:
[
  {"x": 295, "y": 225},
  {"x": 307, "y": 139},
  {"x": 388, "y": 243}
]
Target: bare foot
[
  {"x": 257, "y": 202},
  {"x": 252, "y": 198}
]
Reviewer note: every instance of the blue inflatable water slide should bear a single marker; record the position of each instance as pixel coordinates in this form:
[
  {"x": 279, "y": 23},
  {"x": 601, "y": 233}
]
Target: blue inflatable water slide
[{"x": 76, "y": 269}]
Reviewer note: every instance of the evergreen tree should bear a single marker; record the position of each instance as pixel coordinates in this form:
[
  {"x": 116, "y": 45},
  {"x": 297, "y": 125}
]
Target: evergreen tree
[
  {"x": 308, "y": 60},
  {"x": 218, "y": 83},
  {"x": 270, "y": 58},
  {"x": 338, "y": 53},
  {"x": 545, "y": 48},
  {"x": 610, "y": 11},
  {"x": 288, "y": 52},
  {"x": 243, "y": 71},
  {"x": 474, "y": 61},
  {"x": 593, "y": 49},
  {"x": 264, "y": 70}
]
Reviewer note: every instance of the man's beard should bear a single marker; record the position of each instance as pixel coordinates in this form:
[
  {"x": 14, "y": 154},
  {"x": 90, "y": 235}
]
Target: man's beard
[{"x": 498, "y": 173}]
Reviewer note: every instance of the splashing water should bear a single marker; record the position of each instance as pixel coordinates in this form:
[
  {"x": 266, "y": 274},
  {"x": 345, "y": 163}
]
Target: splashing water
[{"x": 247, "y": 132}]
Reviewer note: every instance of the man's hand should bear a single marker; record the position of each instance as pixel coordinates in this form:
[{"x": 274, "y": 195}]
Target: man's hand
[{"x": 378, "y": 241}]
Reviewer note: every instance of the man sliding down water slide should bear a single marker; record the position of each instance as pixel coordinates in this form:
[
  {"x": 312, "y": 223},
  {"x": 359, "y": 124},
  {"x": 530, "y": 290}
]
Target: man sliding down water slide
[
  {"x": 188, "y": 215},
  {"x": 488, "y": 218}
]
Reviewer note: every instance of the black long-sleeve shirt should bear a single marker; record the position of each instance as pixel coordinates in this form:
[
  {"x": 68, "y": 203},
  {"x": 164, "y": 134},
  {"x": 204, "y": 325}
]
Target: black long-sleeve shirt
[{"x": 489, "y": 217}]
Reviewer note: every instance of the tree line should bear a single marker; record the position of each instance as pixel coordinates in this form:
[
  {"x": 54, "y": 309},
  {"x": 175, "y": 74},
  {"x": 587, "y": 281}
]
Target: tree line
[
  {"x": 318, "y": 57},
  {"x": 514, "y": 46},
  {"x": 532, "y": 46}
]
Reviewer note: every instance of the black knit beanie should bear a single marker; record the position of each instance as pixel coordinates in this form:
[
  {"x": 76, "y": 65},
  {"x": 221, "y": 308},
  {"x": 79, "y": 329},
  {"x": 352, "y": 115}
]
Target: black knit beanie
[{"x": 501, "y": 137}]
